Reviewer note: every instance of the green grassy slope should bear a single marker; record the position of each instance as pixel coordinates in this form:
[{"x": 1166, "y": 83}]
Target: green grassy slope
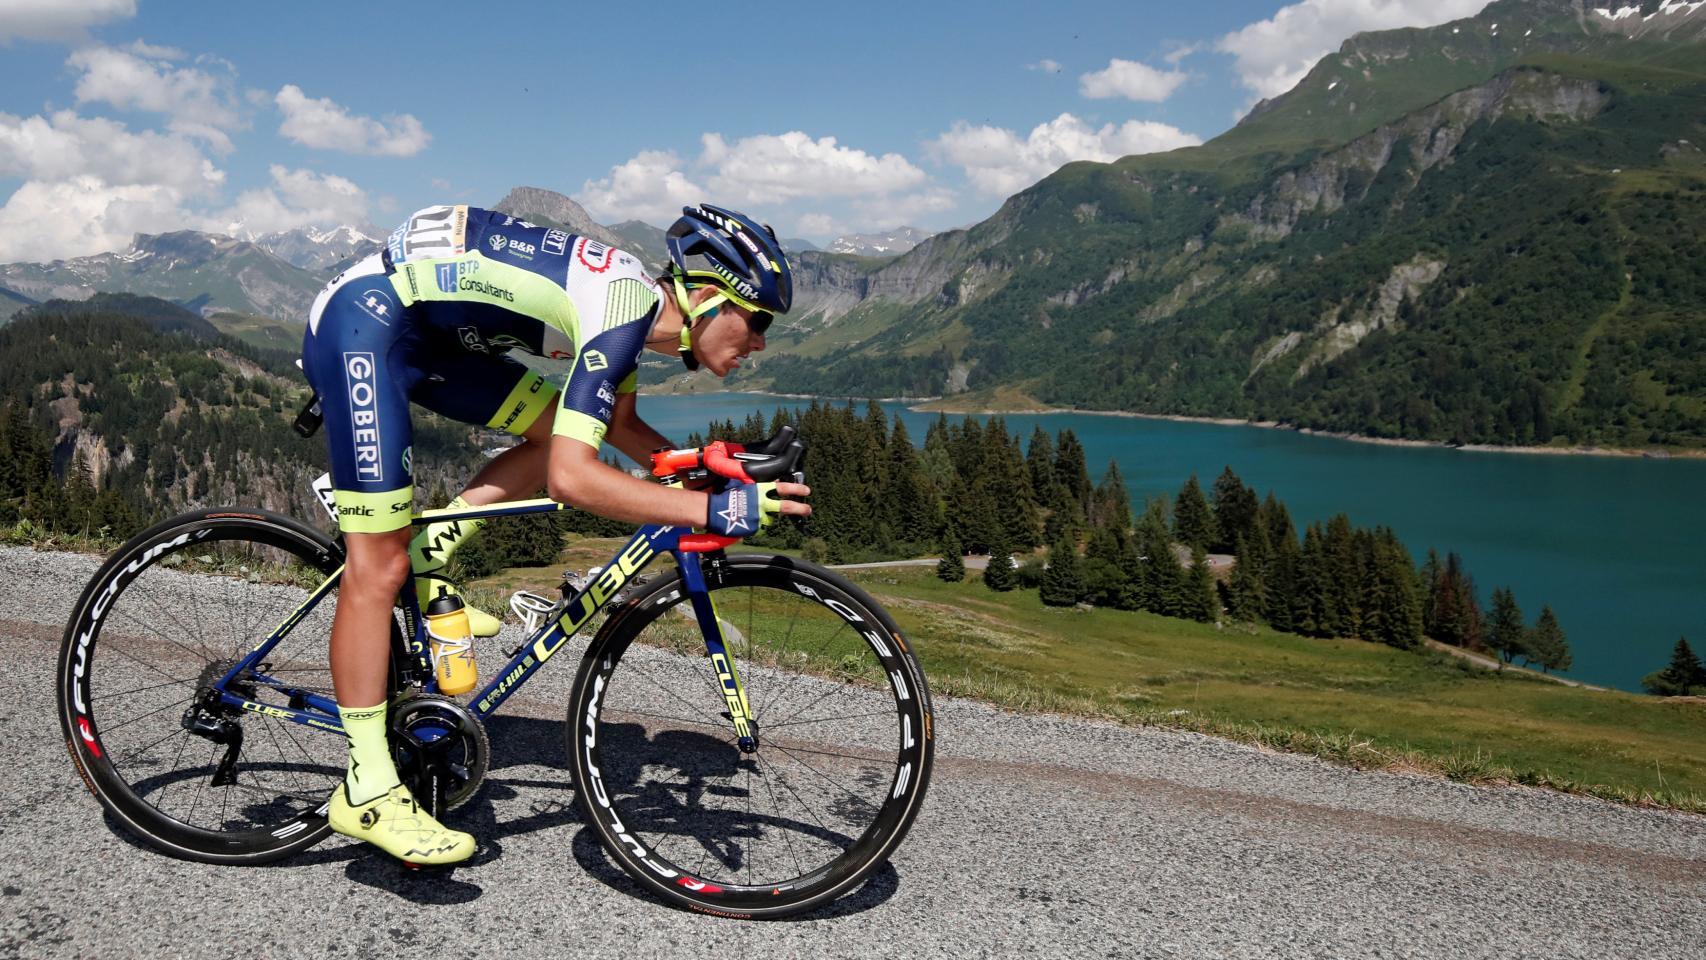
[{"x": 1345, "y": 700}]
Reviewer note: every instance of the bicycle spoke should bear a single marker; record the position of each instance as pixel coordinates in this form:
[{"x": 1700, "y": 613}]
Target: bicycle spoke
[
  {"x": 826, "y": 778},
  {"x": 108, "y": 728},
  {"x": 844, "y": 716}
]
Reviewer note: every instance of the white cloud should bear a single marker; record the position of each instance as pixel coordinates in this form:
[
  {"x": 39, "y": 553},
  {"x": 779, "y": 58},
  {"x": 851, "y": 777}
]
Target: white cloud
[
  {"x": 1181, "y": 53},
  {"x": 773, "y": 168},
  {"x": 297, "y": 198},
  {"x": 998, "y": 162},
  {"x": 651, "y": 186},
  {"x": 1272, "y": 55},
  {"x": 882, "y": 213},
  {"x": 83, "y": 215},
  {"x": 762, "y": 170},
  {"x": 1131, "y": 80},
  {"x": 142, "y": 77},
  {"x": 325, "y": 125},
  {"x": 57, "y": 19},
  {"x": 66, "y": 146},
  {"x": 818, "y": 225},
  {"x": 90, "y": 184},
  {"x": 1044, "y": 65}
]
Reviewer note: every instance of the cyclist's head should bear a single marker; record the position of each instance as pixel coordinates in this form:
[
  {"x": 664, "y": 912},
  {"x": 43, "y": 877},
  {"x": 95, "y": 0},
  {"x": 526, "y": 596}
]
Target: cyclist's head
[{"x": 738, "y": 257}]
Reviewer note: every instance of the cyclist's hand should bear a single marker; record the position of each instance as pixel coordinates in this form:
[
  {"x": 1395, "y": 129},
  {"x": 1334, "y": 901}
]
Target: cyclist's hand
[{"x": 744, "y": 508}]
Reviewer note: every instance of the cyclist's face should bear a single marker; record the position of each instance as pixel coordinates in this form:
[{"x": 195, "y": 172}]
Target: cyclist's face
[{"x": 728, "y": 338}]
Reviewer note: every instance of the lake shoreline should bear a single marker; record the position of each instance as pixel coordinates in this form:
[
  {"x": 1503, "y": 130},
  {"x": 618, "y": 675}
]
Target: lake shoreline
[
  {"x": 928, "y": 405},
  {"x": 1649, "y": 453}
]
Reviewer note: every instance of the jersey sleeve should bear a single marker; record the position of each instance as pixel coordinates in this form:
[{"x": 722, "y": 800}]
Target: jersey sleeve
[{"x": 607, "y": 363}]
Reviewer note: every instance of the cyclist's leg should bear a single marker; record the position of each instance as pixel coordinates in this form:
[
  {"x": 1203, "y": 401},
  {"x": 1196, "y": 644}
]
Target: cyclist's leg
[
  {"x": 502, "y": 394},
  {"x": 357, "y": 353}
]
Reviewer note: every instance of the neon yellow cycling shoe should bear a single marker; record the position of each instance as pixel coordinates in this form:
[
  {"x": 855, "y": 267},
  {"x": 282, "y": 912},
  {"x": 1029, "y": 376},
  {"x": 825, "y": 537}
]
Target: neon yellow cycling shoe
[
  {"x": 480, "y": 623},
  {"x": 396, "y": 824}
]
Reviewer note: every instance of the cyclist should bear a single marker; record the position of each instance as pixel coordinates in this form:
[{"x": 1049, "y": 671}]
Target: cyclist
[{"x": 431, "y": 319}]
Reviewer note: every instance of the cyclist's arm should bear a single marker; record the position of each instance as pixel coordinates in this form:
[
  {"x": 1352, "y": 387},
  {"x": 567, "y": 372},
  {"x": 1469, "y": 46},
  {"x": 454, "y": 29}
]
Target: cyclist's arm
[
  {"x": 580, "y": 479},
  {"x": 632, "y": 435}
]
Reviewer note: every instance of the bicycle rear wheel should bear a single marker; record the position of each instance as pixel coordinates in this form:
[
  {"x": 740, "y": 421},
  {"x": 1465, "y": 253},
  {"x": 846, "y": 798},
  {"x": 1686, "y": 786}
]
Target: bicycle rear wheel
[
  {"x": 843, "y": 728},
  {"x": 168, "y": 615}
]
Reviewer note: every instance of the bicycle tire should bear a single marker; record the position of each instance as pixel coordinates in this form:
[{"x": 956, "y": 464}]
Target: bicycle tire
[
  {"x": 152, "y": 626},
  {"x": 824, "y": 667}
]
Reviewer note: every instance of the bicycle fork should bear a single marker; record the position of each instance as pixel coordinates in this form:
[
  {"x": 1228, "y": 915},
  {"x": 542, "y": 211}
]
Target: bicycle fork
[{"x": 738, "y": 708}]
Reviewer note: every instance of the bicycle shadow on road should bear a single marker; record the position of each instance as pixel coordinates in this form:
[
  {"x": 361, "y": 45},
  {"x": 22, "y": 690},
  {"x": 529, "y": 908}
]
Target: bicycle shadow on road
[{"x": 524, "y": 745}]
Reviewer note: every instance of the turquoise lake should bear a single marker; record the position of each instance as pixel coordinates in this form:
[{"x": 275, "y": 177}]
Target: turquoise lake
[{"x": 1614, "y": 544}]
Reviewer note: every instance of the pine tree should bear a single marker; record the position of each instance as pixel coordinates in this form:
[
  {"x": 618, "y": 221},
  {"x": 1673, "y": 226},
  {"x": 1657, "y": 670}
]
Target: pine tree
[
  {"x": 1341, "y": 615},
  {"x": 1391, "y": 606},
  {"x": 1063, "y": 582},
  {"x": 1506, "y": 630},
  {"x": 1201, "y": 599},
  {"x": 1283, "y": 593},
  {"x": 1193, "y": 519},
  {"x": 1246, "y": 594},
  {"x": 1551, "y": 647},
  {"x": 1429, "y": 576},
  {"x": 998, "y": 575},
  {"x": 1160, "y": 582},
  {"x": 952, "y": 567},
  {"x": 1685, "y": 675},
  {"x": 1009, "y": 485},
  {"x": 1234, "y": 510},
  {"x": 1039, "y": 460},
  {"x": 908, "y": 499},
  {"x": 1452, "y": 604},
  {"x": 1071, "y": 469}
]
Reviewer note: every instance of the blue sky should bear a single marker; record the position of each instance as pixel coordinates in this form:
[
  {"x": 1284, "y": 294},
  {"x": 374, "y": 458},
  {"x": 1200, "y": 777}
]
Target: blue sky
[{"x": 118, "y": 116}]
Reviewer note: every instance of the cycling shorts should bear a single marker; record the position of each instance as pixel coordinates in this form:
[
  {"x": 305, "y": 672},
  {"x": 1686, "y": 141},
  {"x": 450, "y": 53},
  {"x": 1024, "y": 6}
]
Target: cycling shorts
[{"x": 368, "y": 358}]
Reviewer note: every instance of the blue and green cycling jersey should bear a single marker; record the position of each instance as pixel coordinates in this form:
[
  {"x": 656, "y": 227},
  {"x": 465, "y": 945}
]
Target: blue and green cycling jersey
[{"x": 432, "y": 318}]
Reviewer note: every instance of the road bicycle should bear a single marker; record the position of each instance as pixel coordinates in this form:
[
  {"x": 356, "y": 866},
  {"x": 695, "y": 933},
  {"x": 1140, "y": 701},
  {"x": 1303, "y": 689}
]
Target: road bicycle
[{"x": 749, "y": 734}]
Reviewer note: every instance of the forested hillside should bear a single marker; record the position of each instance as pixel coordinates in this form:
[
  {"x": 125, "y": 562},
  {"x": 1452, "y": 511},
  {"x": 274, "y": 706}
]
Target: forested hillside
[
  {"x": 120, "y": 410},
  {"x": 1517, "y": 260}
]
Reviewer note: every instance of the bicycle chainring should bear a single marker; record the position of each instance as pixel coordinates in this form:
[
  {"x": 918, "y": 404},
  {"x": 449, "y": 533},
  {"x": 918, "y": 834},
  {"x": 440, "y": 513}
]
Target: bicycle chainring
[{"x": 441, "y": 750}]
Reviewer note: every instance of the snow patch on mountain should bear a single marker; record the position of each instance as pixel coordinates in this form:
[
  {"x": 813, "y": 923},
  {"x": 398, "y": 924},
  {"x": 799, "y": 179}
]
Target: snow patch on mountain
[
  {"x": 308, "y": 248},
  {"x": 890, "y": 244}
]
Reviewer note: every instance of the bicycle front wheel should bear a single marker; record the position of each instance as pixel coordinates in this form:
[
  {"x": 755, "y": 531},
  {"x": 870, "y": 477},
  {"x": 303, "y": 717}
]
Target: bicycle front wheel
[
  {"x": 167, "y": 616},
  {"x": 844, "y": 740}
]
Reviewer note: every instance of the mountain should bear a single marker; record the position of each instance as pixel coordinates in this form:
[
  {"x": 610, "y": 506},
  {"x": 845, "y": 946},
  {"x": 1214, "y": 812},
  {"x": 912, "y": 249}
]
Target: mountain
[
  {"x": 203, "y": 272},
  {"x": 11, "y": 301},
  {"x": 1377, "y": 77},
  {"x": 889, "y": 244},
  {"x": 549, "y": 208},
  {"x": 162, "y": 413},
  {"x": 642, "y": 240},
  {"x": 320, "y": 251},
  {"x": 1487, "y": 231}
]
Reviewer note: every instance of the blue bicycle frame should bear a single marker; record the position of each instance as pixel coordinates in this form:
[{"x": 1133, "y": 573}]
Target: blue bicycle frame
[{"x": 317, "y": 710}]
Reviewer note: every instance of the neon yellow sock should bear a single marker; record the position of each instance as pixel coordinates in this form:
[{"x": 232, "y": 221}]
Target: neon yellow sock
[
  {"x": 430, "y": 549},
  {"x": 371, "y": 772}
]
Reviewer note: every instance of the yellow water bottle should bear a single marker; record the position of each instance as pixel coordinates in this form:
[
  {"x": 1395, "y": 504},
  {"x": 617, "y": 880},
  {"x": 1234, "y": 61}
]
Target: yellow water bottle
[{"x": 452, "y": 644}]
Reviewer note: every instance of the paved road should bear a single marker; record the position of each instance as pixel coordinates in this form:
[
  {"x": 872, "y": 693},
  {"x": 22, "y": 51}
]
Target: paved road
[{"x": 1041, "y": 836}]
